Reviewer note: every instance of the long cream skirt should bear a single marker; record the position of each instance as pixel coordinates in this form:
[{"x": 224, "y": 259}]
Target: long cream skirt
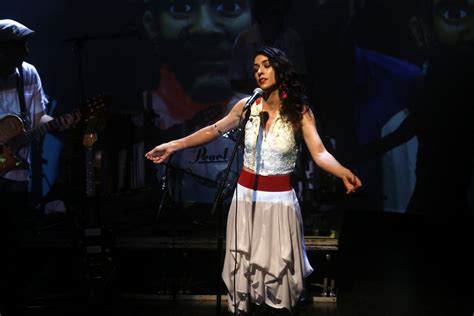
[{"x": 269, "y": 263}]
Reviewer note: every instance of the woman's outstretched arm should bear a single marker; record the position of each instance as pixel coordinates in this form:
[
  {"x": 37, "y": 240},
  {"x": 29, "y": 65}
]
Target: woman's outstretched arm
[
  {"x": 322, "y": 157},
  {"x": 203, "y": 136}
]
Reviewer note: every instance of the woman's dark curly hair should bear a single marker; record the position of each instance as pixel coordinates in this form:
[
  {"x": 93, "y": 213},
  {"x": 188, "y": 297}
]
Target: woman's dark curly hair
[{"x": 287, "y": 79}]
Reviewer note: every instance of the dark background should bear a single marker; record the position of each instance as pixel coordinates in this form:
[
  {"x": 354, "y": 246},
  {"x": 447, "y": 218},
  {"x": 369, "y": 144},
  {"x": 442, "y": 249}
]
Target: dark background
[
  {"x": 124, "y": 66},
  {"x": 381, "y": 250}
]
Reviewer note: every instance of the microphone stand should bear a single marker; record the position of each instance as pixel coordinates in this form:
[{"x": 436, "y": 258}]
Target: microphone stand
[{"x": 223, "y": 185}]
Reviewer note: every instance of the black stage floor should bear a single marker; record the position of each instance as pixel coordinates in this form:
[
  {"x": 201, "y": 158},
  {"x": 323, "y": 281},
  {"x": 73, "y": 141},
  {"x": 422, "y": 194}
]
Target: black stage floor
[{"x": 382, "y": 264}]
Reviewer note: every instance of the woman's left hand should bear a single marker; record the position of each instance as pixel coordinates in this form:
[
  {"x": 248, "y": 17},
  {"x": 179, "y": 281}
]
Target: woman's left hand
[{"x": 351, "y": 182}]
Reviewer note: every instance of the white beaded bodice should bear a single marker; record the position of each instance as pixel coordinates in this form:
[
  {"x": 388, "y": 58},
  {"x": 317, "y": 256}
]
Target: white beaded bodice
[{"x": 273, "y": 153}]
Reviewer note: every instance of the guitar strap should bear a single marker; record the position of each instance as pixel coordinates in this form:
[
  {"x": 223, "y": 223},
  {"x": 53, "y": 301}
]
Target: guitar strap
[{"x": 21, "y": 94}]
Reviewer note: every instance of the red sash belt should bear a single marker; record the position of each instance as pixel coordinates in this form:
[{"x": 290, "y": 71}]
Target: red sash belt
[{"x": 279, "y": 183}]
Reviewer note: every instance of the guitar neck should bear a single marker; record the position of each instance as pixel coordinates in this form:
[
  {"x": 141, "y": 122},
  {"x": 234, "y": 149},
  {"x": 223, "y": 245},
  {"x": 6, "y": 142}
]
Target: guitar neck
[
  {"x": 91, "y": 106},
  {"x": 51, "y": 126},
  {"x": 90, "y": 176}
]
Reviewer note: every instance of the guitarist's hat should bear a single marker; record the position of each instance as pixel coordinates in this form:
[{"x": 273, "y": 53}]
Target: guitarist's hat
[{"x": 11, "y": 30}]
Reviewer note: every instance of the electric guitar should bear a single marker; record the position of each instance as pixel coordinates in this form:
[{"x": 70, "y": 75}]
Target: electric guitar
[
  {"x": 13, "y": 135},
  {"x": 88, "y": 141},
  {"x": 98, "y": 238}
]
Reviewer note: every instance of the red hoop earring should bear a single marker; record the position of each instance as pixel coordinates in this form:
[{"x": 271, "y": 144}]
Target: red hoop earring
[{"x": 283, "y": 91}]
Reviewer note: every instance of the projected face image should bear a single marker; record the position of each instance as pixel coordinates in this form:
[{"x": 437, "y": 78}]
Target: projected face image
[
  {"x": 453, "y": 23},
  {"x": 330, "y": 16},
  {"x": 197, "y": 16},
  {"x": 196, "y": 38}
]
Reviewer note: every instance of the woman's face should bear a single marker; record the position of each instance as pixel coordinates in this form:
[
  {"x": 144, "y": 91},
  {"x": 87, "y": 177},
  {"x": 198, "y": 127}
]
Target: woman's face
[{"x": 264, "y": 72}]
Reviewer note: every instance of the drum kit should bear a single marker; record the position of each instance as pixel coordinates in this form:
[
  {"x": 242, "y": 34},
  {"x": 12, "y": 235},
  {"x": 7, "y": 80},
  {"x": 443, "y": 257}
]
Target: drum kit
[
  {"x": 183, "y": 188},
  {"x": 190, "y": 179}
]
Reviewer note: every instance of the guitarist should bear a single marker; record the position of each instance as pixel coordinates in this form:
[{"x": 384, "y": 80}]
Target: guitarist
[{"x": 21, "y": 94}]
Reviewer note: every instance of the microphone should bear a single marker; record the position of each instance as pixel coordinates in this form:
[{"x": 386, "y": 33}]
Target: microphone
[{"x": 257, "y": 93}]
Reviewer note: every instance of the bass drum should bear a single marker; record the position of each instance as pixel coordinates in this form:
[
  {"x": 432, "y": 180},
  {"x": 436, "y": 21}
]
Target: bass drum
[{"x": 193, "y": 177}]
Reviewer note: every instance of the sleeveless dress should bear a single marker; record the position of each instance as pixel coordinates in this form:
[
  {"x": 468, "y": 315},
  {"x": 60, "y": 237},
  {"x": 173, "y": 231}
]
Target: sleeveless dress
[{"x": 265, "y": 258}]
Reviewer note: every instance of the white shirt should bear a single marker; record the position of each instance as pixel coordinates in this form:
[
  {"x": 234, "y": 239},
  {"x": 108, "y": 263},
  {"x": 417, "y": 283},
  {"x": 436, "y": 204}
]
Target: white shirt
[
  {"x": 35, "y": 101},
  {"x": 273, "y": 153}
]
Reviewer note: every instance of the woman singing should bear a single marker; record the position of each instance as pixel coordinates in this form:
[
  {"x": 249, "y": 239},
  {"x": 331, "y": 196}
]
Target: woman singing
[{"x": 265, "y": 258}]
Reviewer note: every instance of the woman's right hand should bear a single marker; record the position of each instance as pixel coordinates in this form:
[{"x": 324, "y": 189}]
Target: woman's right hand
[{"x": 160, "y": 153}]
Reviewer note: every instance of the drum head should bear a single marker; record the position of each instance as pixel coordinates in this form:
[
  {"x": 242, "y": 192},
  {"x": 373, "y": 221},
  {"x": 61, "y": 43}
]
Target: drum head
[{"x": 193, "y": 177}]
